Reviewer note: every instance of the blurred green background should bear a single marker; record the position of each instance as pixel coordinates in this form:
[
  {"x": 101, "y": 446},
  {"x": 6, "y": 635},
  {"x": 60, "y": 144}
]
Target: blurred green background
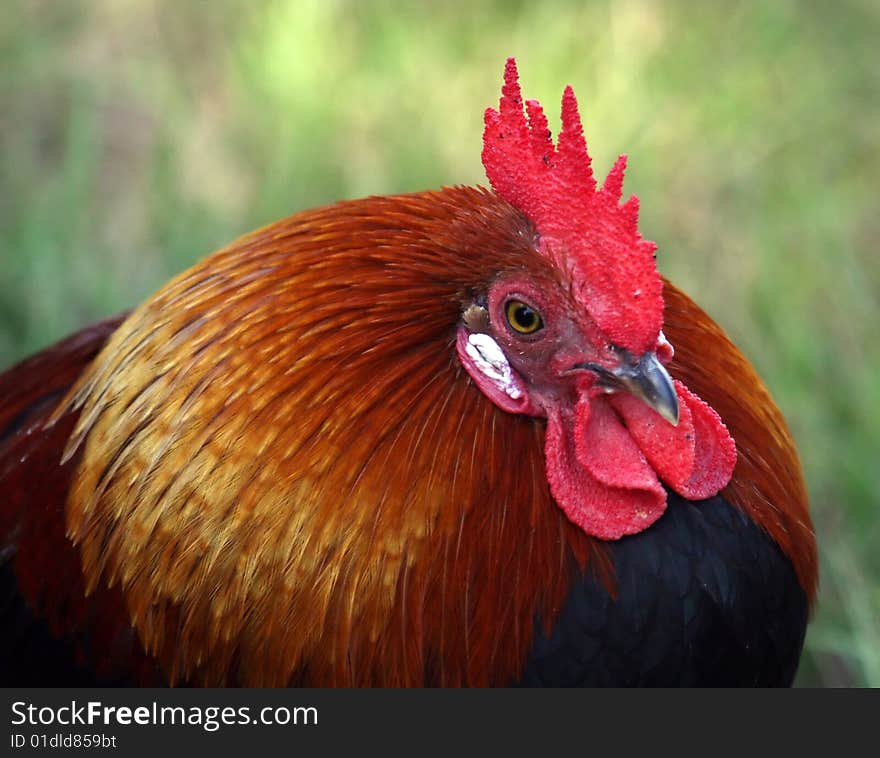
[{"x": 139, "y": 135}]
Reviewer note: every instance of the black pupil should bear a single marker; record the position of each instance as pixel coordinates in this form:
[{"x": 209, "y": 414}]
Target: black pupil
[{"x": 525, "y": 316}]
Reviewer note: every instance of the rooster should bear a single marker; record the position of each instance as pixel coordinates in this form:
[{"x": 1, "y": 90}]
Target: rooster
[{"x": 468, "y": 437}]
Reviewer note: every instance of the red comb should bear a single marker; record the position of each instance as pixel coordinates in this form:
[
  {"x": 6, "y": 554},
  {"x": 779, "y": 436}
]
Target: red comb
[{"x": 584, "y": 230}]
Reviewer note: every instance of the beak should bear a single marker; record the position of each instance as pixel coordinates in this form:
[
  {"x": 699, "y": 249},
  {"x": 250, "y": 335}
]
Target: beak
[{"x": 646, "y": 378}]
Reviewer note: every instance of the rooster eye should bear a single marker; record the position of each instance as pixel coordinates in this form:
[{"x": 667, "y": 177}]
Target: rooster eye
[{"x": 522, "y": 318}]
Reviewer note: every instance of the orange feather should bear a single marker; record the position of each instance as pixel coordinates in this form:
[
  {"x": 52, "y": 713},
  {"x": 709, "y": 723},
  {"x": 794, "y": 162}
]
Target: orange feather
[{"x": 280, "y": 473}]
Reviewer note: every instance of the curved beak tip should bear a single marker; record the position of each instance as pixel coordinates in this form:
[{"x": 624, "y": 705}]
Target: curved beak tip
[
  {"x": 649, "y": 381},
  {"x": 658, "y": 388},
  {"x": 670, "y": 414}
]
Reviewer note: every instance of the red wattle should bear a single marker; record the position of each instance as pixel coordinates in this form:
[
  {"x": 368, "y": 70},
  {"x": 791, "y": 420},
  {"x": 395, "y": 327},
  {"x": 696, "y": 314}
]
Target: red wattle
[
  {"x": 714, "y": 449},
  {"x": 604, "y": 446},
  {"x": 600, "y": 510},
  {"x": 606, "y": 458},
  {"x": 695, "y": 458},
  {"x": 669, "y": 449}
]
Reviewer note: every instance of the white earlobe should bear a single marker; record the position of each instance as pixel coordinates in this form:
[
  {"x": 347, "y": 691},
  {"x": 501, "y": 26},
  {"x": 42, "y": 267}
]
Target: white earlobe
[{"x": 489, "y": 358}]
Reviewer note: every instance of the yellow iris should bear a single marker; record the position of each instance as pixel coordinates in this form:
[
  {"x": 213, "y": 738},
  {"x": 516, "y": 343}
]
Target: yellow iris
[{"x": 522, "y": 318}]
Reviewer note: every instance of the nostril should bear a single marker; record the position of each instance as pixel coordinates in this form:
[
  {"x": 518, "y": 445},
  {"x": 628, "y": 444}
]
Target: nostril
[
  {"x": 605, "y": 378},
  {"x": 620, "y": 352}
]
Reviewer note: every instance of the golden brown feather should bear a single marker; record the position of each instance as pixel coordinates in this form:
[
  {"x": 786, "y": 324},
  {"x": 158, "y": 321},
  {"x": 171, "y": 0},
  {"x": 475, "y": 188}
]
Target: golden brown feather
[
  {"x": 283, "y": 472},
  {"x": 267, "y": 462}
]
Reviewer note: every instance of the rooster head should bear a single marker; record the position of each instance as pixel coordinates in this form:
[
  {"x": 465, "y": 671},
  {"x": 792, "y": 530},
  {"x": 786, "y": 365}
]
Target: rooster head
[{"x": 581, "y": 344}]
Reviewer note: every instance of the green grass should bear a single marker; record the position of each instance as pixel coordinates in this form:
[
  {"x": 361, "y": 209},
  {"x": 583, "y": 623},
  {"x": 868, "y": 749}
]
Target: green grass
[{"x": 137, "y": 136}]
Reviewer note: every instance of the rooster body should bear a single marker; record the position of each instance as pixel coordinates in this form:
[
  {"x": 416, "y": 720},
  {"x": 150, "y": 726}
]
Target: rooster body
[{"x": 314, "y": 459}]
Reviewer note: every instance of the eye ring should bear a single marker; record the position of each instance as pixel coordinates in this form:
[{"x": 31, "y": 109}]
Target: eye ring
[{"x": 522, "y": 317}]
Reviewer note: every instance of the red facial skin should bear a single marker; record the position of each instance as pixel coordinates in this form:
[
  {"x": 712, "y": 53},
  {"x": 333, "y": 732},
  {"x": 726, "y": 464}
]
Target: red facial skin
[
  {"x": 542, "y": 361},
  {"x": 605, "y": 450}
]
